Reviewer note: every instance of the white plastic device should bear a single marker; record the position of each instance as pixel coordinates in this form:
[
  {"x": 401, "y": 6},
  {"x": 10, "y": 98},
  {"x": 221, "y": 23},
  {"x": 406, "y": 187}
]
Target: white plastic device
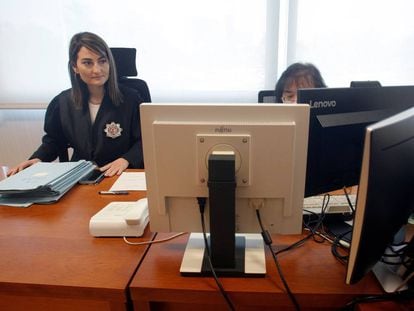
[{"x": 127, "y": 219}]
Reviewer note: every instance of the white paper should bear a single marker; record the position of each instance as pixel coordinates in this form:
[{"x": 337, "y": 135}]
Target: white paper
[
  {"x": 3, "y": 172},
  {"x": 130, "y": 181}
]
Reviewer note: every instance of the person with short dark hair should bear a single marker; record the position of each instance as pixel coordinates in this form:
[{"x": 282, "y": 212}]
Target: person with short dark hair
[
  {"x": 98, "y": 118},
  {"x": 296, "y": 76}
]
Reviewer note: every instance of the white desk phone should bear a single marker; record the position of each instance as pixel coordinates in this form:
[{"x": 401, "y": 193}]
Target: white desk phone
[{"x": 120, "y": 219}]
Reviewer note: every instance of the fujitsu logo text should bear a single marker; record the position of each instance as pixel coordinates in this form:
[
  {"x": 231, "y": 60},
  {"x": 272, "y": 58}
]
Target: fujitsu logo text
[
  {"x": 222, "y": 129},
  {"x": 323, "y": 104}
]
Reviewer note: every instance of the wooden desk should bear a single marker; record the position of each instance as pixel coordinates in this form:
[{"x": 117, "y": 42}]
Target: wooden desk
[
  {"x": 49, "y": 261},
  {"x": 315, "y": 277}
]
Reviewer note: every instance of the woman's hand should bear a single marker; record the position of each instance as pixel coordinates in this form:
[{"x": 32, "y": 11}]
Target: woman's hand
[
  {"x": 22, "y": 166},
  {"x": 115, "y": 168}
]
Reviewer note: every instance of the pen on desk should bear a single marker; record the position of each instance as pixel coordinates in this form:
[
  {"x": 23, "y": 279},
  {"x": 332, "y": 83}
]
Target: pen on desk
[{"x": 114, "y": 192}]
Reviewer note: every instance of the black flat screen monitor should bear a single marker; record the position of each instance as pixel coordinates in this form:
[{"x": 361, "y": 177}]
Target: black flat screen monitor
[
  {"x": 385, "y": 196},
  {"x": 338, "y": 119}
]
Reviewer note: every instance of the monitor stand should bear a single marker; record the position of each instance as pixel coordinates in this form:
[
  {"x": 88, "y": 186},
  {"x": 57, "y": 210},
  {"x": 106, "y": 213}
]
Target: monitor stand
[
  {"x": 231, "y": 254},
  {"x": 250, "y": 257},
  {"x": 391, "y": 277},
  {"x": 388, "y": 277}
]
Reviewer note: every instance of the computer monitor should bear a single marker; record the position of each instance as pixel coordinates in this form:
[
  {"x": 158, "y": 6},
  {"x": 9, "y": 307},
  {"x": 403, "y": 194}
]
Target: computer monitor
[
  {"x": 266, "y": 96},
  {"x": 385, "y": 197},
  {"x": 269, "y": 142},
  {"x": 338, "y": 119}
]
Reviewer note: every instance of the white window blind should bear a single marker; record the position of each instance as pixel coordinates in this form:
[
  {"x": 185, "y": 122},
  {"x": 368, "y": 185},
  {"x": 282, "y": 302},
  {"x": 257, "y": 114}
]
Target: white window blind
[
  {"x": 186, "y": 50},
  {"x": 354, "y": 40}
]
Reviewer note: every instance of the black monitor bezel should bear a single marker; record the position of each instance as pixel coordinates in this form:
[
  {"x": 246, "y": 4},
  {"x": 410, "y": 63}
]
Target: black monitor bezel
[
  {"x": 335, "y": 152},
  {"x": 385, "y": 199}
]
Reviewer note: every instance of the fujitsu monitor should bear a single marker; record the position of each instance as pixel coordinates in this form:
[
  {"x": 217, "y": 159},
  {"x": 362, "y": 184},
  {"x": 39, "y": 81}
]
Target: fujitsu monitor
[{"x": 269, "y": 144}]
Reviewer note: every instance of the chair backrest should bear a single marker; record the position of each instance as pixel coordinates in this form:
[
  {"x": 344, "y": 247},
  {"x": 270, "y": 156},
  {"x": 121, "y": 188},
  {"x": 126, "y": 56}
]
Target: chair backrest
[
  {"x": 365, "y": 84},
  {"x": 267, "y": 96},
  {"x": 125, "y": 61}
]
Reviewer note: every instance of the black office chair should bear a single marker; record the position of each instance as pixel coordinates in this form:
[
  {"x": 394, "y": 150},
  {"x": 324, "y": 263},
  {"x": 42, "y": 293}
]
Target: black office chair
[
  {"x": 267, "y": 96},
  {"x": 365, "y": 84},
  {"x": 126, "y": 67}
]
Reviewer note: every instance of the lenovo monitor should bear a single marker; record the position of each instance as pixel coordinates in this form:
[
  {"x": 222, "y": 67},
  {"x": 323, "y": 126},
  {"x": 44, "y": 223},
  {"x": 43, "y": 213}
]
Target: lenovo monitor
[{"x": 338, "y": 118}]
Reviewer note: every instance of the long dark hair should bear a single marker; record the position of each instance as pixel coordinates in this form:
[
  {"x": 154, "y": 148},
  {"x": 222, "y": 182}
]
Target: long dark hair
[
  {"x": 96, "y": 44},
  {"x": 296, "y": 72}
]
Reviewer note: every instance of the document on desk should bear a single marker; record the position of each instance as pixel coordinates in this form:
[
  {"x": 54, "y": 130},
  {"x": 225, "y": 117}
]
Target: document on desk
[
  {"x": 42, "y": 182},
  {"x": 44, "y": 177},
  {"x": 130, "y": 181}
]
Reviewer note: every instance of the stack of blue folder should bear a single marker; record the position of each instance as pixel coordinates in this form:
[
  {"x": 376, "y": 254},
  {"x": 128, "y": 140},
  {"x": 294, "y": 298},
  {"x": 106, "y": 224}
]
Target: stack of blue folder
[{"x": 42, "y": 182}]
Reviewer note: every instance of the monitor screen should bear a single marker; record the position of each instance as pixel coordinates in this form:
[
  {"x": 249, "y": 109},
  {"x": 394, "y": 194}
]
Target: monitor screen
[
  {"x": 269, "y": 142},
  {"x": 385, "y": 194},
  {"x": 338, "y": 119},
  {"x": 266, "y": 96}
]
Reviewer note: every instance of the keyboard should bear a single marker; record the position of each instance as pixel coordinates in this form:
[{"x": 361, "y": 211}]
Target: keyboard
[{"x": 337, "y": 204}]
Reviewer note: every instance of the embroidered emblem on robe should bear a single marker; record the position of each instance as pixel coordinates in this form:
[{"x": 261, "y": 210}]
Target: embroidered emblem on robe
[{"x": 113, "y": 130}]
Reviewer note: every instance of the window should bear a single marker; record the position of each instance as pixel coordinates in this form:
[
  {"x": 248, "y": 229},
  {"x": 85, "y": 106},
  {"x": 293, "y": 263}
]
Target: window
[
  {"x": 218, "y": 51},
  {"x": 354, "y": 40},
  {"x": 186, "y": 50}
]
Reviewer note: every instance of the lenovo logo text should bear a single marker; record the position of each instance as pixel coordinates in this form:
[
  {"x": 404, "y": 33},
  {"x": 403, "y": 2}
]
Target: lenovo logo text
[{"x": 323, "y": 104}]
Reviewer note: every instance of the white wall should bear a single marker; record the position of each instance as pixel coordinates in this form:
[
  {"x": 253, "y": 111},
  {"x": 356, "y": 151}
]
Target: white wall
[{"x": 21, "y": 131}]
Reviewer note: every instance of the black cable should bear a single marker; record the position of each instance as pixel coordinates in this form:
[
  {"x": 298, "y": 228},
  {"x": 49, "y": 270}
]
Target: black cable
[
  {"x": 202, "y": 203},
  {"x": 313, "y": 229},
  {"x": 294, "y": 245},
  {"x": 268, "y": 241},
  {"x": 319, "y": 227},
  {"x": 319, "y": 221},
  {"x": 349, "y": 201},
  {"x": 395, "y": 296},
  {"x": 399, "y": 253},
  {"x": 336, "y": 243},
  {"x": 404, "y": 243},
  {"x": 401, "y": 250},
  {"x": 403, "y": 261}
]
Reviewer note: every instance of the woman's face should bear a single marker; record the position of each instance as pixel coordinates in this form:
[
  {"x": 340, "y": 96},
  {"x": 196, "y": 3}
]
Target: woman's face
[
  {"x": 92, "y": 68},
  {"x": 289, "y": 94}
]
